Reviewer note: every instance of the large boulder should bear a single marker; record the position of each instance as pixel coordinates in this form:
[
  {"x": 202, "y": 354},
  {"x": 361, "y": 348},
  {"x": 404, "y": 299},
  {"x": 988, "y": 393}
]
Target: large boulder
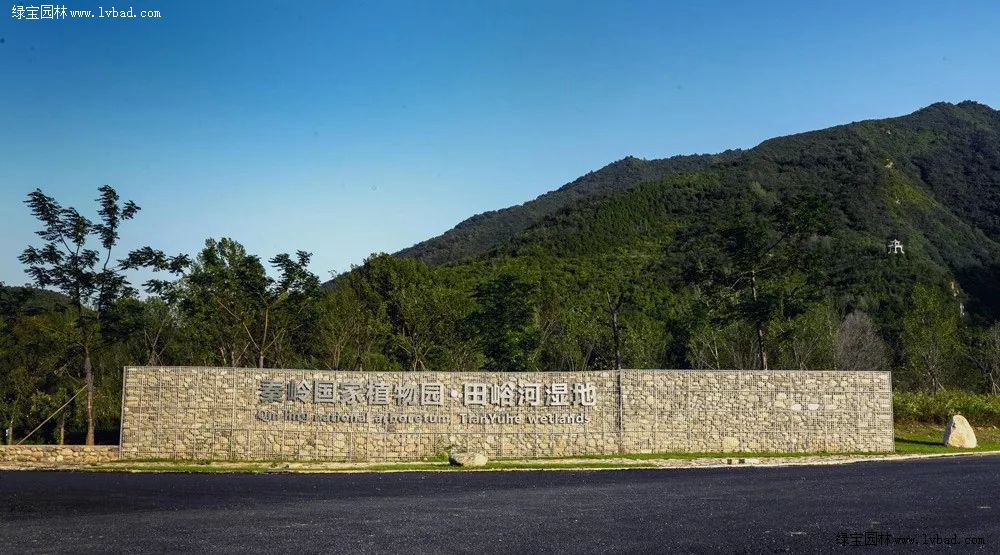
[
  {"x": 462, "y": 458},
  {"x": 958, "y": 433}
]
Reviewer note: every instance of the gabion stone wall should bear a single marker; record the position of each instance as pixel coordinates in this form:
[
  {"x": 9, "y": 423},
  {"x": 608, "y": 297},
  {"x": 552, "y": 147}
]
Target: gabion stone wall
[
  {"x": 43, "y": 455},
  {"x": 264, "y": 414}
]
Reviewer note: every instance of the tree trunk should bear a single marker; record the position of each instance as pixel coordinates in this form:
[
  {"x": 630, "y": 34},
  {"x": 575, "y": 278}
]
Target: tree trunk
[
  {"x": 613, "y": 308},
  {"x": 262, "y": 346},
  {"x": 760, "y": 325},
  {"x": 10, "y": 431},
  {"x": 932, "y": 376},
  {"x": 88, "y": 370},
  {"x": 62, "y": 428},
  {"x": 618, "y": 350},
  {"x": 936, "y": 384}
]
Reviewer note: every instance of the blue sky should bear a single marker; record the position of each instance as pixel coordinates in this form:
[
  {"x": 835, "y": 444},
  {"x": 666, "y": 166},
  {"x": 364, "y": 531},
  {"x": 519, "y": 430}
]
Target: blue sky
[{"x": 345, "y": 128}]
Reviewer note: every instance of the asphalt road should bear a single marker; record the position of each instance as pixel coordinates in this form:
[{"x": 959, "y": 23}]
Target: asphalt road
[{"x": 796, "y": 509}]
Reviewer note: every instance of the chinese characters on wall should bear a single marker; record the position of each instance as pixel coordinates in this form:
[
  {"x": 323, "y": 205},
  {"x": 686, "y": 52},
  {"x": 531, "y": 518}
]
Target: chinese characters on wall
[{"x": 472, "y": 394}]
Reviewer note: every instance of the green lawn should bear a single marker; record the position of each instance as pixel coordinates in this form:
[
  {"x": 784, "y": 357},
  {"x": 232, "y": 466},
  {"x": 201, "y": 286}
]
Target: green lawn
[{"x": 915, "y": 438}]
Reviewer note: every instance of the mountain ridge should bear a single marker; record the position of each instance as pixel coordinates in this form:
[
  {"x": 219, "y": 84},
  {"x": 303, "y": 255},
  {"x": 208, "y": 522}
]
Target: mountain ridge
[
  {"x": 483, "y": 232},
  {"x": 870, "y": 175}
]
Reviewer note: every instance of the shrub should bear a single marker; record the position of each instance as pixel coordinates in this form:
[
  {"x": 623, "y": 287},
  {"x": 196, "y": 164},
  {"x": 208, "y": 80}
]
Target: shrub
[{"x": 936, "y": 408}]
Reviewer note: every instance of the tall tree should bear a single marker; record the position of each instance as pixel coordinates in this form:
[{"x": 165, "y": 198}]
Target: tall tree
[
  {"x": 931, "y": 336},
  {"x": 69, "y": 261},
  {"x": 618, "y": 291},
  {"x": 247, "y": 314},
  {"x": 148, "y": 328},
  {"x": 764, "y": 240},
  {"x": 808, "y": 341},
  {"x": 15, "y": 384},
  {"x": 342, "y": 329},
  {"x": 859, "y": 345},
  {"x": 985, "y": 354},
  {"x": 506, "y": 323},
  {"x": 422, "y": 312},
  {"x": 615, "y": 303},
  {"x": 223, "y": 288}
]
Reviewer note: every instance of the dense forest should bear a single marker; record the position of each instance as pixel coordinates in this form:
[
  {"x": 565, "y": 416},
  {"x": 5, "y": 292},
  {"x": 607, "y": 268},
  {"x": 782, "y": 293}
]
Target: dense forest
[
  {"x": 781, "y": 256},
  {"x": 485, "y": 231}
]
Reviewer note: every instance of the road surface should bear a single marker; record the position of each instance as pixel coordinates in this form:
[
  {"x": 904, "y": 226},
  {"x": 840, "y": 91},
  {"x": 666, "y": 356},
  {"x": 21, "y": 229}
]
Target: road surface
[{"x": 790, "y": 509}]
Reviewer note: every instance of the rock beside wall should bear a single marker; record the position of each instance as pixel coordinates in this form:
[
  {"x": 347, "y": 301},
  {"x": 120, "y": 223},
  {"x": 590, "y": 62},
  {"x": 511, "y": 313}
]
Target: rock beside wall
[
  {"x": 958, "y": 433},
  {"x": 57, "y": 454}
]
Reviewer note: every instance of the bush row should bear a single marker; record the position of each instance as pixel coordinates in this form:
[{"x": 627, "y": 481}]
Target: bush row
[{"x": 936, "y": 408}]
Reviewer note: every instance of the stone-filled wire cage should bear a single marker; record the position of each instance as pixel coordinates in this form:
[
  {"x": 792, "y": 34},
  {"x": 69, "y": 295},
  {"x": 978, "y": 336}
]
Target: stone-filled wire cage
[{"x": 272, "y": 414}]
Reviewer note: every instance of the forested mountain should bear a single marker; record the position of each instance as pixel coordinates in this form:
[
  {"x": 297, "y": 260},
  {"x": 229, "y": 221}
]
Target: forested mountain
[
  {"x": 485, "y": 231},
  {"x": 930, "y": 179},
  {"x": 951, "y": 149}
]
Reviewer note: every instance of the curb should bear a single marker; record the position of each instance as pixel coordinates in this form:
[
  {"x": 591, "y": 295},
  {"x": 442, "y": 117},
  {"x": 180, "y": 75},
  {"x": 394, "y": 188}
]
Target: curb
[{"x": 641, "y": 464}]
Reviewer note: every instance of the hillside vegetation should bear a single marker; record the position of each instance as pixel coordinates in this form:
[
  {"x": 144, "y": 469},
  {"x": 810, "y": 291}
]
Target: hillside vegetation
[{"x": 485, "y": 231}]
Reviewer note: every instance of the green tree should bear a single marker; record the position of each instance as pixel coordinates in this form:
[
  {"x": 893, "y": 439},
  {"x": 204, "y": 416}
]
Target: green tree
[
  {"x": 346, "y": 333},
  {"x": 931, "y": 337},
  {"x": 571, "y": 326},
  {"x": 34, "y": 360},
  {"x": 505, "y": 323},
  {"x": 69, "y": 262},
  {"x": 618, "y": 298},
  {"x": 260, "y": 311},
  {"x": 764, "y": 241},
  {"x": 985, "y": 354},
  {"x": 808, "y": 341},
  {"x": 422, "y": 311},
  {"x": 726, "y": 347},
  {"x": 149, "y": 329},
  {"x": 245, "y": 315}
]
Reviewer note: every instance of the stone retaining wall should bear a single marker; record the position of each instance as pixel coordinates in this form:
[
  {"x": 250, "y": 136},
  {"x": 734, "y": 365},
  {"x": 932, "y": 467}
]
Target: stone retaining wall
[
  {"x": 251, "y": 414},
  {"x": 58, "y": 454}
]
